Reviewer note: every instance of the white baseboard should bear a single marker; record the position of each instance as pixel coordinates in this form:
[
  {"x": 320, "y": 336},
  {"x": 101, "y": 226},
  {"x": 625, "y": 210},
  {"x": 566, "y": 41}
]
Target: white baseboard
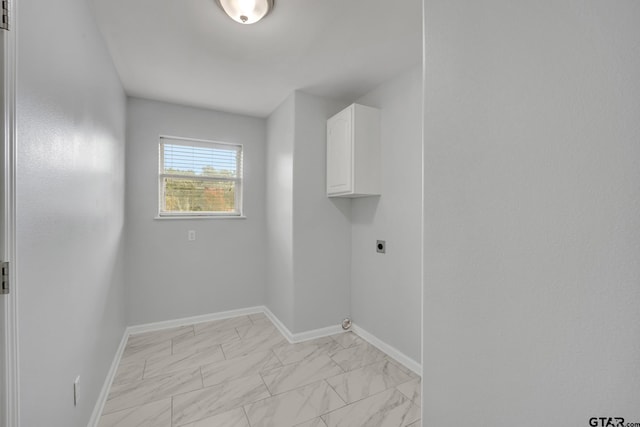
[
  {"x": 104, "y": 393},
  {"x": 301, "y": 336},
  {"x": 333, "y": 330},
  {"x": 149, "y": 327},
  {"x": 185, "y": 321},
  {"x": 390, "y": 350},
  {"x": 291, "y": 337}
]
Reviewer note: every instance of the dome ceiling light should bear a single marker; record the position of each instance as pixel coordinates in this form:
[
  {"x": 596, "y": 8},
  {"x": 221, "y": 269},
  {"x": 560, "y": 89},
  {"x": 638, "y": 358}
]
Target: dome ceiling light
[{"x": 246, "y": 11}]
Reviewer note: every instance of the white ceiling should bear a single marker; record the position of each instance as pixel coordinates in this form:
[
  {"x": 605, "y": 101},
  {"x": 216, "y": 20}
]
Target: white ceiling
[{"x": 189, "y": 52}]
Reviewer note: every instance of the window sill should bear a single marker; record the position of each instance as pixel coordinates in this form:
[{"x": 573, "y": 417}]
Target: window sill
[{"x": 200, "y": 217}]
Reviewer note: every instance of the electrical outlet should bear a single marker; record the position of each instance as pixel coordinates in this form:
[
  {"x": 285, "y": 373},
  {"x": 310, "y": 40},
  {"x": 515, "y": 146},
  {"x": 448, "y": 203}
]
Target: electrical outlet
[
  {"x": 76, "y": 391},
  {"x": 381, "y": 246},
  {"x": 191, "y": 235}
]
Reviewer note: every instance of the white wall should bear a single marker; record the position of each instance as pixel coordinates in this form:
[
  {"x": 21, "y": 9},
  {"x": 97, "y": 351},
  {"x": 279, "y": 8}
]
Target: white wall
[
  {"x": 386, "y": 288},
  {"x": 321, "y": 226},
  {"x": 279, "y": 211},
  {"x": 169, "y": 277},
  {"x": 70, "y": 210},
  {"x": 532, "y": 202},
  {"x": 308, "y": 233}
]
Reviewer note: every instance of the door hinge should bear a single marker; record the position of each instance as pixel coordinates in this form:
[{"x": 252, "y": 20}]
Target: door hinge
[
  {"x": 5, "y": 15},
  {"x": 4, "y": 287}
]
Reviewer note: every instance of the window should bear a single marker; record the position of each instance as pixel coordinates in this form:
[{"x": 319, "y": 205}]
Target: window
[{"x": 199, "y": 178}]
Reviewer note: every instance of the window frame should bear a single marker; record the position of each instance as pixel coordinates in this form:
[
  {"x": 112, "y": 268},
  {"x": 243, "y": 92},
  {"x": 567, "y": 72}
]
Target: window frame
[{"x": 202, "y": 143}]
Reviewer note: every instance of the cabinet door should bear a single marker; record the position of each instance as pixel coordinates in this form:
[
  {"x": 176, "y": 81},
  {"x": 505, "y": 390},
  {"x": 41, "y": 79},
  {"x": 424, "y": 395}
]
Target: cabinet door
[{"x": 339, "y": 153}]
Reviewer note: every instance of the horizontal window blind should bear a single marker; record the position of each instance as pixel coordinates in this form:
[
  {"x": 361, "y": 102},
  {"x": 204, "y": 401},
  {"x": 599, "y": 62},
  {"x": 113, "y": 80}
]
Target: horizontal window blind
[{"x": 200, "y": 178}]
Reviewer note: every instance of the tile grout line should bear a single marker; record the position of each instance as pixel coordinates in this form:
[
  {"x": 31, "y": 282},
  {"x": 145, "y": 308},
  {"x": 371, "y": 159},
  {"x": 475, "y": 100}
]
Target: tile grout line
[
  {"x": 339, "y": 343},
  {"x": 334, "y": 390},
  {"x": 137, "y": 406},
  {"x": 246, "y": 415},
  {"x": 348, "y": 404},
  {"x": 272, "y": 353},
  {"x": 411, "y": 380},
  {"x": 265, "y": 385},
  {"x": 227, "y": 410},
  {"x": 361, "y": 366},
  {"x": 380, "y": 392},
  {"x": 408, "y": 371},
  {"x": 408, "y": 397},
  {"x": 276, "y": 356},
  {"x": 222, "y": 350}
]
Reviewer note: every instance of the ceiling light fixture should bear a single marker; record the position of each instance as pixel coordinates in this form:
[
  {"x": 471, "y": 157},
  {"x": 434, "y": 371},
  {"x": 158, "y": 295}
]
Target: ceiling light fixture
[{"x": 246, "y": 11}]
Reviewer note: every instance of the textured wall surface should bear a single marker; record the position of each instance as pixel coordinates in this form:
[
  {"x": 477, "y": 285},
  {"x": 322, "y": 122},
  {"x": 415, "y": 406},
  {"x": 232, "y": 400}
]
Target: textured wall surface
[
  {"x": 279, "y": 211},
  {"x": 386, "y": 292},
  {"x": 321, "y": 225},
  {"x": 532, "y": 202},
  {"x": 168, "y": 276},
  {"x": 308, "y": 234},
  {"x": 70, "y": 211}
]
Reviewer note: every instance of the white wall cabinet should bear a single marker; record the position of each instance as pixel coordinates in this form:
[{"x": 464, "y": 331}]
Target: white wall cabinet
[{"x": 353, "y": 152}]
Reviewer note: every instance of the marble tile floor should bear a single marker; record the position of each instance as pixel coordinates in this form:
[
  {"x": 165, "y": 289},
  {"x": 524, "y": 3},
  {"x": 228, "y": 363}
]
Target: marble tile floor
[{"x": 241, "y": 372}]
